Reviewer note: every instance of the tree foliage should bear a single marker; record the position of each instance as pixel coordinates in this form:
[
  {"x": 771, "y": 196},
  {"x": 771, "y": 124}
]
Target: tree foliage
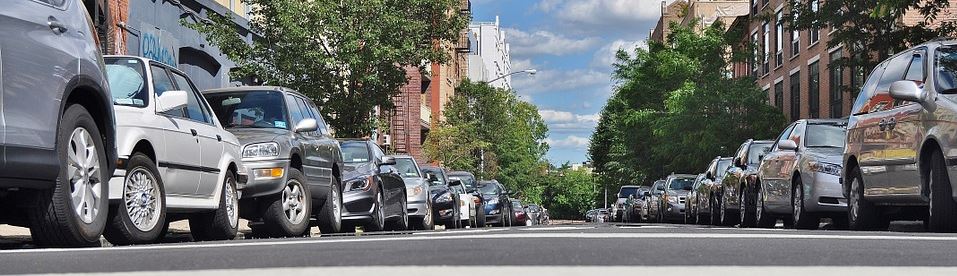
[
  {"x": 569, "y": 192},
  {"x": 675, "y": 107},
  {"x": 346, "y": 54}
]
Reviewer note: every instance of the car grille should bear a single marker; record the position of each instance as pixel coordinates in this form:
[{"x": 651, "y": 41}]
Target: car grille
[{"x": 681, "y": 199}]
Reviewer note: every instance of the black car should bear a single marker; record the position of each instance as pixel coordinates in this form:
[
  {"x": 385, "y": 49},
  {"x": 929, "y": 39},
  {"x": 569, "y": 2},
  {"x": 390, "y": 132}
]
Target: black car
[
  {"x": 477, "y": 215},
  {"x": 496, "y": 202},
  {"x": 445, "y": 200},
  {"x": 374, "y": 193}
]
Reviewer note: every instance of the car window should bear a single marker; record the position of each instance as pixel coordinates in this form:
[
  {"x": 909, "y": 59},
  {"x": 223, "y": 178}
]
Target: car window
[
  {"x": 722, "y": 168},
  {"x": 863, "y": 103},
  {"x": 490, "y": 189},
  {"x": 55, "y": 3},
  {"x": 756, "y": 151},
  {"x": 680, "y": 183},
  {"x": 323, "y": 128},
  {"x": 295, "y": 113},
  {"x": 163, "y": 83},
  {"x": 825, "y": 136},
  {"x": 355, "y": 152},
  {"x": 249, "y": 109},
  {"x": 784, "y": 135},
  {"x": 195, "y": 108},
  {"x": 797, "y": 135},
  {"x": 406, "y": 167},
  {"x": 915, "y": 72},
  {"x": 894, "y": 71},
  {"x": 946, "y": 69},
  {"x": 306, "y": 111},
  {"x": 628, "y": 191},
  {"x": 376, "y": 152},
  {"x": 127, "y": 79}
]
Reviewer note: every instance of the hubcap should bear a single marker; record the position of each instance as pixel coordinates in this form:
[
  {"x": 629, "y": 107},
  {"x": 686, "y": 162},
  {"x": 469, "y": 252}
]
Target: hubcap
[
  {"x": 293, "y": 202},
  {"x": 83, "y": 171},
  {"x": 336, "y": 205},
  {"x": 380, "y": 214},
  {"x": 855, "y": 200},
  {"x": 798, "y": 201},
  {"x": 232, "y": 205},
  {"x": 427, "y": 220},
  {"x": 759, "y": 210},
  {"x": 741, "y": 208},
  {"x": 141, "y": 197}
]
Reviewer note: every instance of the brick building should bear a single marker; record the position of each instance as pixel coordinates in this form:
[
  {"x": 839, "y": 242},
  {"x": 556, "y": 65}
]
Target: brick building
[{"x": 700, "y": 13}]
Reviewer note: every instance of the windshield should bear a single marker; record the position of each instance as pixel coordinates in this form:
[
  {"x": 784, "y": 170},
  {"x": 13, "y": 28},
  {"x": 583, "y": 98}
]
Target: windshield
[
  {"x": 629, "y": 191},
  {"x": 517, "y": 206},
  {"x": 681, "y": 184},
  {"x": 946, "y": 68},
  {"x": 756, "y": 151},
  {"x": 467, "y": 180},
  {"x": 406, "y": 167},
  {"x": 127, "y": 81},
  {"x": 355, "y": 152},
  {"x": 440, "y": 177},
  {"x": 825, "y": 135},
  {"x": 490, "y": 189},
  {"x": 252, "y": 109},
  {"x": 723, "y": 165}
]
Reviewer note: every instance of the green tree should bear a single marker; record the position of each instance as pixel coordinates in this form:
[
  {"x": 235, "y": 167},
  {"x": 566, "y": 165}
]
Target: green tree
[
  {"x": 569, "y": 193},
  {"x": 348, "y": 55}
]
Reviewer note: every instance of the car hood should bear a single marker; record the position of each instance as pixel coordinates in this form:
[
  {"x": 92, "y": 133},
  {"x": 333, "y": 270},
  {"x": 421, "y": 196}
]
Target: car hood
[
  {"x": 356, "y": 170},
  {"x": 257, "y": 135},
  {"x": 827, "y": 155}
]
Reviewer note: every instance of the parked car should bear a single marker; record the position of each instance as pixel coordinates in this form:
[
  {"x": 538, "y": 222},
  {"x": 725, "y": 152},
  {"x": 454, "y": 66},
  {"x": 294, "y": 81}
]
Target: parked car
[
  {"x": 672, "y": 201},
  {"x": 417, "y": 188},
  {"x": 496, "y": 202},
  {"x": 652, "y": 201},
  {"x": 519, "y": 216},
  {"x": 603, "y": 215},
  {"x": 477, "y": 201},
  {"x": 175, "y": 159},
  {"x": 465, "y": 203},
  {"x": 635, "y": 205},
  {"x": 704, "y": 193},
  {"x": 899, "y": 159},
  {"x": 800, "y": 177},
  {"x": 445, "y": 198},
  {"x": 294, "y": 162},
  {"x": 57, "y": 112},
  {"x": 624, "y": 193},
  {"x": 738, "y": 183},
  {"x": 535, "y": 214},
  {"x": 591, "y": 215},
  {"x": 691, "y": 215},
  {"x": 374, "y": 193}
]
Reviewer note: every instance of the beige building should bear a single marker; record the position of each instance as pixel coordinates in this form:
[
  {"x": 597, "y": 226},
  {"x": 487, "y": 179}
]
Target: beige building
[{"x": 701, "y": 13}]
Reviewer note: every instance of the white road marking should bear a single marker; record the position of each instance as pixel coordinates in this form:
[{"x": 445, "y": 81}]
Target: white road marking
[
  {"x": 502, "y": 236},
  {"x": 646, "y": 227},
  {"x": 559, "y": 228},
  {"x": 561, "y": 271},
  {"x": 460, "y": 231}
]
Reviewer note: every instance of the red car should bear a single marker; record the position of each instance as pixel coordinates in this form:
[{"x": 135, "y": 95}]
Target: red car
[{"x": 519, "y": 217}]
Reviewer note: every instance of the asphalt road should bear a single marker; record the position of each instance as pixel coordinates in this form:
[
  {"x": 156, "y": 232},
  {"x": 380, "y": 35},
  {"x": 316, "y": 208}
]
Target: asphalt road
[{"x": 584, "y": 249}]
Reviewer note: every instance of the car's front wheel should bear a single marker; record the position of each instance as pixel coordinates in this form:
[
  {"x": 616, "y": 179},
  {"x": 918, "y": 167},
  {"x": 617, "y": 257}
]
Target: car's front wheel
[
  {"x": 74, "y": 212},
  {"x": 942, "y": 213},
  {"x": 764, "y": 219},
  {"x": 223, "y": 223},
  {"x": 330, "y": 216},
  {"x": 141, "y": 215},
  {"x": 287, "y": 214},
  {"x": 480, "y": 216},
  {"x": 802, "y": 218},
  {"x": 377, "y": 223},
  {"x": 401, "y": 223},
  {"x": 427, "y": 221},
  {"x": 862, "y": 214}
]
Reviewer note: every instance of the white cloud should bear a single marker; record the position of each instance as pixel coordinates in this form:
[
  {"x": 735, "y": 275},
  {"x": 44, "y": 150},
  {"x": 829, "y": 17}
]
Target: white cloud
[
  {"x": 547, "y": 80},
  {"x": 546, "y": 43},
  {"x": 571, "y": 141},
  {"x": 567, "y": 122},
  {"x": 605, "y": 12},
  {"x": 607, "y": 55}
]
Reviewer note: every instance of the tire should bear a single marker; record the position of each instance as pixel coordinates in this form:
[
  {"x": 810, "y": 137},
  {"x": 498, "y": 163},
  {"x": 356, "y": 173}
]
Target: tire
[
  {"x": 727, "y": 217},
  {"x": 287, "y": 214},
  {"x": 715, "y": 210},
  {"x": 330, "y": 216},
  {"x": 764, "y": 219},
  {"x": 402, "y": 222},
  {"x": 861, "y": 214},
  {"x": 377, "y": 223},
  {"x": 942, "y": 212},
  {"x": 802, "y": 219},
  {"x": 746, "y": 209},
  {"x": 480, "y": 218},
  {"x": 144, "y": 196},
  {"x": 223, "y": 223},
  {"x": 427, "y": 222},
  {"x": 54, "y": 221}
]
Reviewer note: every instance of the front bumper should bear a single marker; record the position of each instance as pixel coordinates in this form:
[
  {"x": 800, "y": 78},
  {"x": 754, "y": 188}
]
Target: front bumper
[
  {"x": 264, "y": 186},
  {"x": 358, "y": 204},
  {"x": 673, "y": 211}
]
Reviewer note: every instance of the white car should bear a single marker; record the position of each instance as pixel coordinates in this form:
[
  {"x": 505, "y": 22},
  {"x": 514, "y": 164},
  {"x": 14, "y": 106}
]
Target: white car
[{"x": 175, "y": 160}]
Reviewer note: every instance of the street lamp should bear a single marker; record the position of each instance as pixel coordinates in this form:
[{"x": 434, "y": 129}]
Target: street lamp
[{"x": 529, "y": 71}]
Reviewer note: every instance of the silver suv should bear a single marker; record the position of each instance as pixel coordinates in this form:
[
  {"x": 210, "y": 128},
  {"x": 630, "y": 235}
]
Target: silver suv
[
  {"x": 799, "y": 179},
  {"x": 57, "y": 123},
  {"x": 900, "y": 161},
  {"x": 294, "y": 163}
]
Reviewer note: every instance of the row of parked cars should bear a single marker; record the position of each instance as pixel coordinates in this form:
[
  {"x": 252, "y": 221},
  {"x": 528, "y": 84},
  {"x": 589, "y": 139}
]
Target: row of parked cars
[
  {"x": 893, "y": 158},
  {"x": 120, "y": 146}
]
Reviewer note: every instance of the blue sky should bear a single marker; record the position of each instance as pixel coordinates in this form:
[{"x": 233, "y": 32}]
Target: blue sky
[{"x": 572, "y": 44}]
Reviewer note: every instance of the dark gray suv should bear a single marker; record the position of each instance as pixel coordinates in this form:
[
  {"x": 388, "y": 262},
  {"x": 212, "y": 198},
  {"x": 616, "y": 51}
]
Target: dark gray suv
[
  {"x": 57, "y": 123},
  {"x": 293, "y": 161}
]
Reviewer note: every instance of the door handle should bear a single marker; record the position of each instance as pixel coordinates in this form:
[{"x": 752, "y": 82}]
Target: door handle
[
  {"x": 219, "y": 138},
  {"x": 193, "y": 131},
  {"x": 55, "y": 25}
]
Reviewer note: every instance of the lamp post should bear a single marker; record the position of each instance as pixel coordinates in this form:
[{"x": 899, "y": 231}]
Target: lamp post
[{"x": 529, "y": 71}]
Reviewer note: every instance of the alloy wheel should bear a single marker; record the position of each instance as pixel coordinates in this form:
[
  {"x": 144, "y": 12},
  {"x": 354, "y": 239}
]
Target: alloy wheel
[
  {"x": 293, "y": 202},
  {"x": 141, "y": 199},
  {"x": 83, "y": 171},
  {"x": 232, "y": 203},
  {"x": 797, "y": 203},
  {"x": 336, "y": 204},
  {"x": 379, "y": 212}
]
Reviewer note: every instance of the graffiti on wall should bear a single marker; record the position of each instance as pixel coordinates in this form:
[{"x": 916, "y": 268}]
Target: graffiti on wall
[{"x": 159, "y": 45}]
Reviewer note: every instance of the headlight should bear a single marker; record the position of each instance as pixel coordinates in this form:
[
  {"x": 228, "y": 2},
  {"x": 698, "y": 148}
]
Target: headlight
[
  {"x": 270, "y": 149},
  {"x": 444, "y": 197},
  {"x": 493, "y": 201},
  {"x": 364, "y": 183},
  {"x": 828, "y": 168},
  {"x": 416, "y": 191},
  {"x": 672, "y": 199}
]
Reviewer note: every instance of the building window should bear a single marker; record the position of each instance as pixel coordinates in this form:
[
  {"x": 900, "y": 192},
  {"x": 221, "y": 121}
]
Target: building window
[
  {"x": 795, "y": 37},
  {"x": 779, "y": 95},
  {"x": 814, "y": 90},
  {"x": 766, "y": 47},
  {"x": 795, "y": 96},
  {"x": 779, "y": 38},
  {"x": 815, "y": 32},
  {"x": 767, "y": 92},
  {"x": 754, "y": 55},
  {"x": 836, "y": 85}
]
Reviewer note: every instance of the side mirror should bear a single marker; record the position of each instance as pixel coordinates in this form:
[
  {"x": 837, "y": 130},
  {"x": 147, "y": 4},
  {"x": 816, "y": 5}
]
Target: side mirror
[
  {"x": 787, "y": 145},
  {"x": 386, "y": 160},
  {"x": 907, "y": 91},
  {"x": 171, "y": 100},
  {"x": 306, "y": 125}
]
